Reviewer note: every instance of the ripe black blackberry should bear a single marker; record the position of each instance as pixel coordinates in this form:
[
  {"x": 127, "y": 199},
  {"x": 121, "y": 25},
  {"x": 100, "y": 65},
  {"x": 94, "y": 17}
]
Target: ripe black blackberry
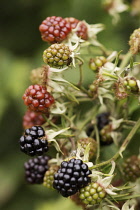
[
  {"x": 71, "y": 177},
  {"x": 33, "y": 141},
  {"x": 35, "y": 169},
  {"x": 102, "y": 120}
]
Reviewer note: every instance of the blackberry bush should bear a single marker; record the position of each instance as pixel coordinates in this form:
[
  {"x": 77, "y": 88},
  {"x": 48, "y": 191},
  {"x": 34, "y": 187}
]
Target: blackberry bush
[
  {"x": 33, "y": 142},
  {"x": 80, "y": 119},
  {"x": 35, "y": 169}
]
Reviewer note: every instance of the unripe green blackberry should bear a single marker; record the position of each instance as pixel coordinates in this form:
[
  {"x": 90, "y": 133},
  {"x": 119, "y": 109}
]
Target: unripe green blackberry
[
  {"x": 49, "y": 177},
  {"x": 131, "y": 168},
  {"x": 97, "y": 62},
  {"x": 57, "y": 55},
  {"x": 92, "y": 194},
  {"x": 134, "y": 41},
  {"x": 105, "y": 134},
  {"x": 93, "y": 146},
  {"x": 131, "y": 84}
]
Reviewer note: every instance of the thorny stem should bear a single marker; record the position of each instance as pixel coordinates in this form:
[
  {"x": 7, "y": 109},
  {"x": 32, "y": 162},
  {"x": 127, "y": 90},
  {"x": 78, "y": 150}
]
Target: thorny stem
[
  {"x": 98, "y": 144},
  {"x": 122, "y": 148}
]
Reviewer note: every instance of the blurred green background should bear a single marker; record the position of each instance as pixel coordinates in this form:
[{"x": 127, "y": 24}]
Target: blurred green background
[{"x": 21, "y": 51}]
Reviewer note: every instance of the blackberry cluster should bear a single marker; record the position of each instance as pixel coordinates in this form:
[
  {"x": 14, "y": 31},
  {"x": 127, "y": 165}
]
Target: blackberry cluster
[
  {"x": 131, "y": 168},
  {"x": 37, "y": 98},
  {"x": 35, "y": 169},
  {"x": 32, "y": 118},
  {"x": 93, "y": 146},
  {"x": 82, "y": 30},
  {"x": 102, "y": 120},
  {"x": 57, "y": 55},
  {"x": 72, "y": 176},
  {"x": 54, "y": 29},
  {"x": 33, "y": 141},
  {"x": 97, "y": 62},
  {"x": 92, "y": 194}
]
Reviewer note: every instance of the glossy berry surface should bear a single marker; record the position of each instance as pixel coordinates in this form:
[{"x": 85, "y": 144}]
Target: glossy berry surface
[
  {"x": 93, "y": 145},
  {"x": 33, "y": 142},
  {"x": 35, "y": 169},
  {"x": 82, "y": 30},
  {"x": 54, "y": 29},
  {"x": 37, "y": 98},
  {"x": 49, "y": 177},
  {"x": 71, "y": 176},
  {"x": 32, "y": 118},
  {"x": 92, "y": 194},
  {"x": 131, "y": 168},
  {"x": 57, "y": 55}
]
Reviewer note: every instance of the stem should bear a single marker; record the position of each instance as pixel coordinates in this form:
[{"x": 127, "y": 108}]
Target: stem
[
  {"x": 122, "y": 148},
  {"x": 110, "y": 75},
  {"x": 80, "y": 70},
  {"x": 50, "y": 122},
  {"x": 72, "y": 143},
  {"x": 125, "y": 61},
  {"x": 98, "y": 143}
]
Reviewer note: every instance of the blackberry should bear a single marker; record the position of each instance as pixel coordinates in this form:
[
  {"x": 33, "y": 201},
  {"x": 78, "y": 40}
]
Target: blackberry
[
  {"x": 134, "y": 41},
  {"x": 57, "y": 55},
  {"x": 131, "y": 84},
  {"x": 49, "y": 177},
  {"x": 54, "y": 29},
  {"x": 32, "y": 118},
  {"x": 71, "y": 176},
  {"x": 92, "y": 194},
  {"x": 82, "y": 30},
  {"x": 37, "y": 98},
  {"x": 35, "y": 169},
  {"x": 97, "y": 62},
  {"x": 131, "y": 168},
  {"x": 33, "y": 141},
  {"x": 102, "y": 120},
  {"x": 93, "y": 145},
  {"x": 105, "y": 135}
]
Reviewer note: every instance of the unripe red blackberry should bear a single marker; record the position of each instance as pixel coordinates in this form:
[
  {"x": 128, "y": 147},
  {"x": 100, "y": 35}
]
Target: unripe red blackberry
[
  {"x": 92, "y": 194},
  {"x": 105, "y": 135},
  {"x": 57, "y": 55},
  {"x": 71, "y": 176},
  {"x": 93, "y": 146},
  {"x": 82, "y": 30},
  {"x": 33, "y": 142},
  {"x": 97, "y": 62},
  {"x": 35, "y": 169},
  {"x": 37, "y": 98},
  {"x": 131, "y": 168},
  {"x": 32, "y": 118},
  {"x": 49, "y": 177},
  {"x": 54, "y": 29},
  {"x": 134, "y": 41}
]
